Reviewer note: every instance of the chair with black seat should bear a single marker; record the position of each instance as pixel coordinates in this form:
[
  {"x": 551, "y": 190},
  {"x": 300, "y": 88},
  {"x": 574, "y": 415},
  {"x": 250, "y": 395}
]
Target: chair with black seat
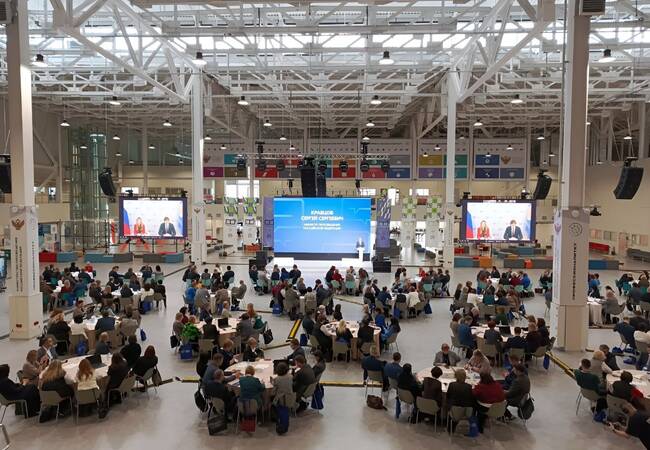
[
  {"x": 53, "y": 399},
  {"x": 374, "y": 377},
  {"x": 87, "y": 397},
  {"x": 427, "y": 406},
  {"x": 4, "y": 403},
  {"x": 125, "y": 388}
]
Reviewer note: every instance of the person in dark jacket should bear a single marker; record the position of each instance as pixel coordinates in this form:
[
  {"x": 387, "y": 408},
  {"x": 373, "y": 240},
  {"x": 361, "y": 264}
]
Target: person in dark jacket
[
  {"x": 117, "y": 372},
  {"x": 459, "y": 393},
  {"x": 296, "y": 350},
  {"x": 515, "y": 341},
  {"x": 303, "y": 377},
  {"x": 131, "y": 351},
  {"x": 210, "y": 331},
  {"x": 366, "y": 333},
  {"x": 53, "y": 379},
  {"x": 519, "y": 388},
  {"x": 533, "y": 338},
  {"x": 373, "y": 363},
  {"x": 14, "y": 391},
  {"x": 145, "y": 362},
  {"x": 252, "y": 352},
  {"x": 308, "y": 323},
  {"x": 432, "y": 387},
  {"x": 217, "y": 388},
  {"x": 407, "y": 381},
  {"x": 610, "y": 358}
]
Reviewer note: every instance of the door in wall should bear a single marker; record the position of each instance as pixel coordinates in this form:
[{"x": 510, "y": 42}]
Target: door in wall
[{"x": 623, "y": 239}]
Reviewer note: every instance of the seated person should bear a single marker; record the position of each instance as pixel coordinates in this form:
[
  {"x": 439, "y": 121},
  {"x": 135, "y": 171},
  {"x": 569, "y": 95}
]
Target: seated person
[
  {"x": 296, "y": 350},
  {"x": 587, "y": 380},
  {"x": 624, "y": 389},
  {"x": 104, "y": 323},
  {"x": 217, "y": 388},
  {"x": 459, "y": 393},
  {"x": 446, "y": 357},
  {"x": 14, "y": 391},
  {"x": 392, "y": 370},
  {"x": 515, "y": 341},
  {"x": 408, "y": 381},
  {"x": 147, "y": 361},
  {"x": 303, "y": 377},
  {"x": 432, "y": 387},
  {"x": 210, "y": 331},
  {"x": 131, "y": 351},
  {"x": 252, "y": 352},
  {"x": 102, "y": 347},
  {"x": 518, "y": 389},
  {"x": 373, "y": 363},
  {"x": 486, "y": 392},
  {"x": 478, "y": 363}
]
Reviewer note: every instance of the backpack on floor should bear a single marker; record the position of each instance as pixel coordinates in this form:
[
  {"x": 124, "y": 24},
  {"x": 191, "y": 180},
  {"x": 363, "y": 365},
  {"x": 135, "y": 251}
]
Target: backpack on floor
[{"x": 375, "y": 402}]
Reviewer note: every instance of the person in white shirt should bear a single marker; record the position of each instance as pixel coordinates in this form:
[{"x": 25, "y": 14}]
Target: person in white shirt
[
  {"x": 86, "y": 376},
  {"x": 77, "y": 326},
  {"x": 412, "y": 298}
]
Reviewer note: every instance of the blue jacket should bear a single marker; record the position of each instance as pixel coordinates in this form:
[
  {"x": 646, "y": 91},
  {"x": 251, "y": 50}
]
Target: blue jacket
[
  {"x": 392, "y": 370},
  {"x": 465, "y": 335}
]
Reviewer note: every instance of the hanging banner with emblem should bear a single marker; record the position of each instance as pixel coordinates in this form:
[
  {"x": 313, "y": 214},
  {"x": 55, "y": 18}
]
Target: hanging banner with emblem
[
  {"x": 409, "y": 212},
  {"x": 249, "y": 230},
  {"x": 267, "y": 226},
  {"x": 382, "y": 233},
  {"x": 24, "y": 250},
  {"x": 432, "y": 233},
  {"x": 500, "y": 159},
  {"x": 230, "y": 219}
]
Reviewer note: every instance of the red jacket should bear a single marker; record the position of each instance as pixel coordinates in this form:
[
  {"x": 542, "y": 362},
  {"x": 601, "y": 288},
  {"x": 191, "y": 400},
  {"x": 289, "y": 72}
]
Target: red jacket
[{"x": 489, "y": 393}]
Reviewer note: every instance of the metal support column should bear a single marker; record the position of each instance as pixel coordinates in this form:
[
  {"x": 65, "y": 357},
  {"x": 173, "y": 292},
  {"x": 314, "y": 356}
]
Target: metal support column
[
  {"x": 25, "y": 305},
  {"x": 199, "y": 248},
  {"x": 450, "y": 180},
  {"x": 569, "y": 312},
  {"x": 145, "y": 161}
]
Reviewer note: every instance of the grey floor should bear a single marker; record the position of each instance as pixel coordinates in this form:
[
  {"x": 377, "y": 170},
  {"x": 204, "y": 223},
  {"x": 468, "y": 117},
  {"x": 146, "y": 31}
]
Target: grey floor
[{"x": 169, "y": 419}]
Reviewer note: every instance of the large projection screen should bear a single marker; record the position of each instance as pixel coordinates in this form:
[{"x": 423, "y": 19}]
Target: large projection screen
[
  {"x": 498, "y": 221},
  {"x": 145, "y": 217},
  {"x": 321, "y": 228}
]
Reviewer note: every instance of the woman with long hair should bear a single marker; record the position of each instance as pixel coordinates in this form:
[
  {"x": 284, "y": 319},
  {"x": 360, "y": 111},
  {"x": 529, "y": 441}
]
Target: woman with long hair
[
  {"x": 483, "y": 231},
  {"x": 86, "y": 376},
  {"x": 138, "y": 227}
]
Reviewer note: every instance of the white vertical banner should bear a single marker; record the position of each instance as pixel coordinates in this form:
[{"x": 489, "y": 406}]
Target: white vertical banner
[
  {"x": 432, "y": 234},
  {"x": 407, "y": 229},
  {"x": 230, "y": 219},
  {"x": 249, "y": 230},
  {"x": 24, "y": 250},
  {"x": 569, "y": 313},
  {"x": 199, "y": 247}
]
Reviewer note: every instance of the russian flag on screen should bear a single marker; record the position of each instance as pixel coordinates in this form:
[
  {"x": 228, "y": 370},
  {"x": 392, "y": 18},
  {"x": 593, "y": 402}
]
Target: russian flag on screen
[
  {"x": 126, "y": 226},
  {"x": 469, "y": 227}
]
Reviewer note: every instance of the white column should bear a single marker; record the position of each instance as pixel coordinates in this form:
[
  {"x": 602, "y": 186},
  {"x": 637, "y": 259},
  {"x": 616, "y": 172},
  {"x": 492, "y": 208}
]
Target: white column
[
  {"x": 25, "y": 305},
  {"x": 145, "y": 161},
  {"x": 199, "y": 249},
  {"x": 569, "y": 313},
  {"x": 450, "y": 203},
  {"x": 643, "y": 143},
  {"x": 59, "y": 172}
]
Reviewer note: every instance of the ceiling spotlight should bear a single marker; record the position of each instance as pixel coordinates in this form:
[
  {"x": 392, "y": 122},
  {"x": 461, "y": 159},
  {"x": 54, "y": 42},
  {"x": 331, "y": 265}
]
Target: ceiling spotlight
[
  {"x": 517, "y": 100},
  {"x": 437, "y": 147},
  {"x": 242, "y": 101},
  {"x": 292, "y": 147},
  {"x": 478, "y": 123},
  {"x": 544, "y": 162},
  {"x": 39, "y": 61},
  {"x": 488, "y": 155},
  {"x": 64, "y": 123},
  {"x": 223, "y": 147},
  {"x": 167, "y": 123},
  {"x": 509, "y": 147},
  {"x": 551, "y": 154},
  {"x": 461, "y": 138},
  {"x": 370, "y": 123},
  {"x": 152, "y": 147},
  {"x": 386, "y": 59},
  {"x": 198, "y": 60},
  {"x": 181, "y": 162},
  {"x": 365, "y": 138},
  {"x": 425, "y": 154},
  {"x": 267, "y": 123},
  {"x": 283, "y": 138},
  {"x": 588, "y": 123},
  {"x": 627, "y": 137},
  {"x": 118, "y": 154},
  {"x": 607, "y": 56},
  {"x": 178, "y": 154},
  {"x": 594, "y": 212},
  {"x": 540, "y": 137},
  {"x": 375, "y": 100},
  {"x": 116, "y": 137},
  {"x": 83, "y": 147},
  {"x": 207, "y": 138},
  {"x": 131, "y": 161},
  {"x": 599, "y": 162},
  {"x": 114, "y": 101}
]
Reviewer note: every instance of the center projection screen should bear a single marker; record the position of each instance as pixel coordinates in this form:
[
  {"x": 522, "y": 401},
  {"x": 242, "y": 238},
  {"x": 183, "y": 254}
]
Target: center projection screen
[
  {"x": 498, "y": 221},
  {"x": 328, "y": 227},
  {"x": 164, "y": 218}
]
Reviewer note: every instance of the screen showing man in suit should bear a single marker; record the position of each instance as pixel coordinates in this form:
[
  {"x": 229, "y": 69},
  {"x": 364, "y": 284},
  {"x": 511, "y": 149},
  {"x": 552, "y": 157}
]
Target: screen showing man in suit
[
  {"x": 498, "y": 220},
  {"x": 153, "y": 217}
]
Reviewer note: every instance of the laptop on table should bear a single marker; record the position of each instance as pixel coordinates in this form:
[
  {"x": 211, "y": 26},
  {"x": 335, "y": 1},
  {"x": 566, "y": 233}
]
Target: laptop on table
[{"x": 96, "y": 361}]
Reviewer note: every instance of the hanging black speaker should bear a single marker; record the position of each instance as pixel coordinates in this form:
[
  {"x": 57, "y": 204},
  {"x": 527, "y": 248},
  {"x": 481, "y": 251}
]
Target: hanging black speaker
[
  {"x": 628, "y": 183},
  {"x": 308, "y": 181},
  {"x": 106, "y": 182},
  {"x": 321, "y": 184},
  {"x": 543, "y": 186},
  {"x": 5, "y": 174}
]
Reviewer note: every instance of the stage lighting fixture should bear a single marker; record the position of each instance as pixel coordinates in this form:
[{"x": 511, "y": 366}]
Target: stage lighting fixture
[
  {"x": 375, "y": 100},
  {"x": 594, "y": 212},
  {"x": 386, "y": 60},
  {"x": 322, "y": 165},
  {"x": 364, "y": 166},
  {"x": 241, "y": 164},
  {"x": 242, "y": 101},
  {"x": 114, "y": 101},
  {"x": 385, "y": 166},
  {"x": 357, "y": 183},
  {"x": 39, "y": 61},
  {"x": 290, "y": 183},
  {"x": 280, "y": 165},
  {"x": 607, "y": 56},
  {"x": 343, "y": 166},
  {"x": 466, "y": 195},
  {"x": 364, "y": 148},
  {"x": 198, "y": 60},
  {"x": 260, "y": 147},
  {"x": 261, "y": 164},
  {"x": 183, "y": 193},
  {"x": 129, "y": 193}
]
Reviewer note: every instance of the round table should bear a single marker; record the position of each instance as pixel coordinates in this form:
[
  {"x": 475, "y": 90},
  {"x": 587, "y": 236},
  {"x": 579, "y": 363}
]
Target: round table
[
  {"x": 447, "y": 376},
  {"x": 641, "y": 381},
  {"x": 224, "y": 333},
  {"x": 353, "y": 326},
  {"x": 263, "y": 371}
]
